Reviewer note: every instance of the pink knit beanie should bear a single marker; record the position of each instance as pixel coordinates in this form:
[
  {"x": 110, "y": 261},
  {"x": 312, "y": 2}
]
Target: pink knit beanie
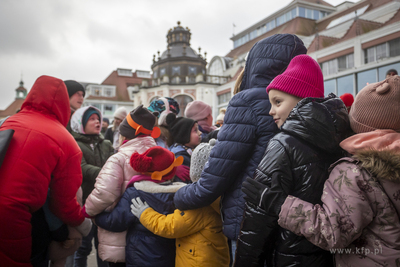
[
  {"x": 197, "y": 110},
  {"x": 302, "y": 78},
  {"x": 377, "y": 106}
]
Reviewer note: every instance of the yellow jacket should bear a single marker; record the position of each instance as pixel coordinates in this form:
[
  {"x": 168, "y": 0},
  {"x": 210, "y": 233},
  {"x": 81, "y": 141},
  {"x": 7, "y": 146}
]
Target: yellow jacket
[{"x": 198, "y": 233}]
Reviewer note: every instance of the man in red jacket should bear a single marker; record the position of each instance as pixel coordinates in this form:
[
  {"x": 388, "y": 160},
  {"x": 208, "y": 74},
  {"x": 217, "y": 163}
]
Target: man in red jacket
[{"x": 42, "y": 155}]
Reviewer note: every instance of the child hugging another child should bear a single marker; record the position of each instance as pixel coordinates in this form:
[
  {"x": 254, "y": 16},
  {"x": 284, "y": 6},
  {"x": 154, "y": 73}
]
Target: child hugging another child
[
  {"x": 296, "y": 161},
  {"x": 153, "y": 183},
  {"x": 137, "y": 133},
  {"x": 186, "y": 136},
  {"x": 198, "y": 233}
]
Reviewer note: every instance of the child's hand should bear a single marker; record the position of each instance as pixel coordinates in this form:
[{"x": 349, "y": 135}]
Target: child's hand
[
  {"x": 138, "y": 207},
  {"x": 68, "y": 243}
]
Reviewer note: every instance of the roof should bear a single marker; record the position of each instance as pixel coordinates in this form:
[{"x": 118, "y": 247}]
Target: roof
[
  {"x": 298, "y": 26},
  {"x": 12, "y": 108},
  {"x": 122, "y": 83}
]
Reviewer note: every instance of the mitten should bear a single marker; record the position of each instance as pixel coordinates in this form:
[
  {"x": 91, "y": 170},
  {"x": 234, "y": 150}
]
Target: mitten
[
  {"x": 85, "y": 227},
  {"x": 183, "y": 173},
  {"x": 138, "y": 207}
]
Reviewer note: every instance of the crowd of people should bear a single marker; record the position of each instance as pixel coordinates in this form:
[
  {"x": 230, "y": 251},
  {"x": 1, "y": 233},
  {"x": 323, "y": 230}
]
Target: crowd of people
[{"x": 285, "y": 176}]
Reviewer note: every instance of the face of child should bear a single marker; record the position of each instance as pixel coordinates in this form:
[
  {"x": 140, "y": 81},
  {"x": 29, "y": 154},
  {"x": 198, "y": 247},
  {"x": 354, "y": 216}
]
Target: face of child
[
  {"x": 76, "y": 100},
  {"x": 93, "y": 125},
  {"x": 281, "y": 105},
  {"x": 195, "y": 137}
]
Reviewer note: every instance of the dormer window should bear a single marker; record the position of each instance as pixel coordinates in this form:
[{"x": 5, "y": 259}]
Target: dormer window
[{"x": 125, "y": 72}]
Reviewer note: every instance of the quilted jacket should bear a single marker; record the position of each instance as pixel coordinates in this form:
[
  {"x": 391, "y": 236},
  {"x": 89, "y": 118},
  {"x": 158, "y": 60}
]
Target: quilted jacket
[
  {"x": 244, "y": 136},
  {"x": 108, "y": 189}
]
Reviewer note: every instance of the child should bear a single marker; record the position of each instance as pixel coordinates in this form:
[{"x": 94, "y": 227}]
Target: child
[
  {"x": 296, "y": 161},
  {"x": 153, "y": 182},
  {"x": 137, "y": 133},
  {"x": 202, "y": 113},
  {"x": 198, "y": 233},
  {"x": 186, "y": 137},
  {"x": 86, "y": 127},
  {"x": 361, "y": 198}
]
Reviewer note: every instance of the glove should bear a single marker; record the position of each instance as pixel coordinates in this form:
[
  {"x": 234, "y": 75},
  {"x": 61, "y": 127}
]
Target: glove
[
  {"x": 138, "y": 207},
  {"x": 269, "y": 199},
  {"x": 183, "y": 173},
  {"x": 85, "y": 227}
]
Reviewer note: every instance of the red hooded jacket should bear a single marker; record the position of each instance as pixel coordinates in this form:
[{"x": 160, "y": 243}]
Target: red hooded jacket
[{"x": 42, "y": 154}]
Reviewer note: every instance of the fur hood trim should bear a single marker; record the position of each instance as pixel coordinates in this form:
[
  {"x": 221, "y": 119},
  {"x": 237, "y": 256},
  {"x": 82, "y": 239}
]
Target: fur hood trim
[{"x": 384, "y": 165}]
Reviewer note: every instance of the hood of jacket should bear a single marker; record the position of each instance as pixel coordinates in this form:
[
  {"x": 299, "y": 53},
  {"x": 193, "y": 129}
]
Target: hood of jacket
[
  {"x": 269, "y": 58},
  {"x": 49, "y": 96},
  {"x": 378, "y": 153},
  {"x": 76, "y": 119},
  {"x": 321, "y": 122}
]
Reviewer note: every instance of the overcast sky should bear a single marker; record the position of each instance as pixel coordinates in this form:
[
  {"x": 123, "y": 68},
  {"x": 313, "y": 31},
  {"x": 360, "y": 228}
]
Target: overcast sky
[{"x": 85, "y": 40}]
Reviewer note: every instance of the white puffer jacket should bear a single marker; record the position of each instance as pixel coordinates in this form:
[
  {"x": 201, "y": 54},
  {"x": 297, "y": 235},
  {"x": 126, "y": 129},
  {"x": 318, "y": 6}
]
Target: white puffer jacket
[{"x": 108, "y": 189}]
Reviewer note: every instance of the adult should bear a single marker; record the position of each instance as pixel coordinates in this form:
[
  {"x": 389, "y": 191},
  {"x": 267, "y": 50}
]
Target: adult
[
  {"x": 391, "y": 72},
  {"x": 245, "y": 134},
  {"x": 104, "y": 125},
  {"x": 42, "y": 155},
  {"x": 76, "y": 94},
  {"x": 202, "y": 113},
  {"x": 112, "y": 133}
]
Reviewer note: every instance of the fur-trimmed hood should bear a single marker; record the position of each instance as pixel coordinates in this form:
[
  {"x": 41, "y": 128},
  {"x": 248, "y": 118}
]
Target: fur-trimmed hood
[{"x": 379, "y": 153}]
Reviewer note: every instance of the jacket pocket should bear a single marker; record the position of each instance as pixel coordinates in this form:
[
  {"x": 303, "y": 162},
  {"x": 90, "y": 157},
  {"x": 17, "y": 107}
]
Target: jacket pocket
[{"x": 187, "y": 248}]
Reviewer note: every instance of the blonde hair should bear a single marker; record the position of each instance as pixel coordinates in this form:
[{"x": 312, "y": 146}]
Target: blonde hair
[{"x": 238, "y": 83}]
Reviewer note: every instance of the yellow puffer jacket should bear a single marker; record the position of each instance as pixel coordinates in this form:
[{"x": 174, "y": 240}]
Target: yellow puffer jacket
[{"x": 198, "y": 233}]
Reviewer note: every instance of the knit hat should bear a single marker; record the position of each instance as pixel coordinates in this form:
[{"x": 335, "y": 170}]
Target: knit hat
[
  {"x": 120, "y": 113},
  {"x": 158, "y": 162},
  {"x": 180, "y": 128},
  {"x": 106, "y": 120},
  {"x": 73, "y": 87},
  {"x": 197, "y": 110},
  {"x": 89, "y": 112},
  {"x": 302, "y": 78},
  {"x": 199, "y": 158},
  {"x": 377, "y": 107},
  {"x": 163, "y": 106},
  {"x": 221, "y": 114},
  {"x": 347, "y": 99},
  {"x": 139, "y": 121}
]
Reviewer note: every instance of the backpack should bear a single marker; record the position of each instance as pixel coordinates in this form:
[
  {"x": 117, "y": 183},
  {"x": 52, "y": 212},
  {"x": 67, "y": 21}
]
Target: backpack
[{"x": 5, "y": 139}]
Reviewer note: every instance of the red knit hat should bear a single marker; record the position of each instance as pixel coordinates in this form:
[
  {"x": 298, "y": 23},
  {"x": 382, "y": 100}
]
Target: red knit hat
[
  {"x": 302, "y": 78},
  {"x": 158, "y": 162},
  {"x": 348, "y": 100}
]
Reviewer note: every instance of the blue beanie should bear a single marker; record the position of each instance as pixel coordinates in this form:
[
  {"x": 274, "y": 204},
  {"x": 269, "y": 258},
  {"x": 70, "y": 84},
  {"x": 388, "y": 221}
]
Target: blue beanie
[{"x": 89, "y": 112}]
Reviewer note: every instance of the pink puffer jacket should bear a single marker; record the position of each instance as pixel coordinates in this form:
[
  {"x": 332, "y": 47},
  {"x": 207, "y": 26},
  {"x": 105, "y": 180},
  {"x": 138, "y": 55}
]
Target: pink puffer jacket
[{"x": 108, "y": 189}]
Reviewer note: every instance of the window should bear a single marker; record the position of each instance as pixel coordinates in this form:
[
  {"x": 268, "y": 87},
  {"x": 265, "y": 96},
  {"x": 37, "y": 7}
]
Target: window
[
  {"x": 381, "y": 51},
  {"x": 176, "y": 70},
  {"x": 192, "y": 70},
  {"x": 162, "y": 72},
  {"x": 370, "y": 55},
  {"x": 109, "y": 109},
  {"x": 309, "y": 13},
  {"x": 364, "y": 78},
  {"x": 345, "y": 62},
  {"x": 216, "y": 69},
  {"x": 109, "y": 92},
  {"x": 330, "y": 87},
  {"x": 96, "y": 91},
  {"x": 394, "y": 47},
  {"x": 345, "y": 85},
  {"x": 224, "y": 98},
  {"x": 330, "y": 67},
  {"x": 315, "y": 14},
  {"x": 125, "y": 72},
  {"x": 253, "y": 34},
  {"x": 302, "y": 12}
]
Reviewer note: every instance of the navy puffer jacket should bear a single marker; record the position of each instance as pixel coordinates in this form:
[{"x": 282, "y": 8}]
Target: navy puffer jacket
[{"x": 244, "y": 136}]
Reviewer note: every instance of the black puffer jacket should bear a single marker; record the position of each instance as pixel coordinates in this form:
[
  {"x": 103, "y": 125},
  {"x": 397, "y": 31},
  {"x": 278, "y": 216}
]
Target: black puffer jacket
[
  {"x": 297, "y": 159},
  {"x": 244, "y": 136}
]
